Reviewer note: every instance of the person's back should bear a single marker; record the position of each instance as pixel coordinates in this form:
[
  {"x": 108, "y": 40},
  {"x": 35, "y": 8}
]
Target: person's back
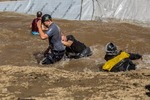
[
  {"x": 118, "y": 60},
  {"x": 34, "y": 27},
  {"x": 76, "y": 46},
  {"x": 54, "y": 36},
  {"x": 34, "y": 24},
  {"x": 76, "y": 49}
]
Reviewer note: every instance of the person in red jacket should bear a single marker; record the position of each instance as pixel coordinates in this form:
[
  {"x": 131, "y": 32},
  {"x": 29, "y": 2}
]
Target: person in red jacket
[{"x": 33, "y": 26}]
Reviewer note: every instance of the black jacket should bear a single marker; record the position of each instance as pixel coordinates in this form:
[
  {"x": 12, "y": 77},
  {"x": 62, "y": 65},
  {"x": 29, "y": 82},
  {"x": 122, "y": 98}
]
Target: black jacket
[
  {"x": 125, "y": 64},
  {"x": 77, "y": 49}
]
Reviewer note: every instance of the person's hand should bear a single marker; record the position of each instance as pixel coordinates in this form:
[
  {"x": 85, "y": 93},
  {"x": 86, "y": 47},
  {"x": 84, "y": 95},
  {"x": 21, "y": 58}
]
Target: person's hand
[
  {"x": 39, "y": 24},
  {"x": 141, "y": 57},
  {"x": 46, "y": 52},
  {"x": 63, "y": 38},
  {"x": 44, "y": 27},
  {"x": 63, "y": 42}
]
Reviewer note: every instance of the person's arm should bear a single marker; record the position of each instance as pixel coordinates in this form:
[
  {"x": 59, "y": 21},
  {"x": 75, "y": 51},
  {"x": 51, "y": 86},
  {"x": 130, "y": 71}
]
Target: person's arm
[
  {"x": 135, "y": 56},
  {"x": 44, "y": 28},
  {"x": 30, "y": 26},
  {"x": 46, "y": 52},
  {"x": 108, "y": 57},
  {"x": 42, "y": 34},
  {"x": 67, "y": 43}
]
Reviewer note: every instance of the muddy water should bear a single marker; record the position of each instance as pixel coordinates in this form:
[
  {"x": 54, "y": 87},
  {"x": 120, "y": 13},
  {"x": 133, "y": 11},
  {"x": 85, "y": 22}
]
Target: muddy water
[
  {"x": 21, "y": 77},
  {"x": 20, "y": 48}
]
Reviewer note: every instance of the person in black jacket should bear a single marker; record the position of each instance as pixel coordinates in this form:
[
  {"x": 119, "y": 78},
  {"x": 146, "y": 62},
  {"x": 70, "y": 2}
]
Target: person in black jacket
[
  {"x": 74, "y": 48},
  {"x": 118, "y": 60}
]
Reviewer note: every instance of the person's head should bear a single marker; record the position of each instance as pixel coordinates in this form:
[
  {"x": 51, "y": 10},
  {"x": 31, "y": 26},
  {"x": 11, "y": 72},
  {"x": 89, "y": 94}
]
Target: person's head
[
  {"x": 63, "y": 37},
  {"x": 111, "y": 49},
  {"x": 39, "y": 14},
  {"x": 46, "y": 19}
]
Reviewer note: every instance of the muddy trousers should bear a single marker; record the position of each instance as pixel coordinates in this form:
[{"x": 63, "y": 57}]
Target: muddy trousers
[
  {"x": 124, "y": 65},
  {"x": 52, "y": 57},
  {"x": 85, "y": 53}
]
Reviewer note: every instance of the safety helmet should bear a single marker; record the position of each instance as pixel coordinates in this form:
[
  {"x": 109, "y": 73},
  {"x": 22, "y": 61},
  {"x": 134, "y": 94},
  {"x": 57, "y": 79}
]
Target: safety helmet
[
  {"x": 46, "y": 17},
  {"x": 39, "y": 14},
  {"x": 111, "y": 49}
]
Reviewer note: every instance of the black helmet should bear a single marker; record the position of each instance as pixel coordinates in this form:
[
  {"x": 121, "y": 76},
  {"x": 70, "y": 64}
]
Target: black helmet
[
  {"x": 111, "y": 49},
  {"x": 39, "y": 14},
  {"x": 46, "y": 17}
]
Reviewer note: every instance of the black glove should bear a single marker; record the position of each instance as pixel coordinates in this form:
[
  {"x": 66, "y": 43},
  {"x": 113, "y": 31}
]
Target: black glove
[
  {"x": 138, "y": 56},
  {"x": 135, "y": 56}
]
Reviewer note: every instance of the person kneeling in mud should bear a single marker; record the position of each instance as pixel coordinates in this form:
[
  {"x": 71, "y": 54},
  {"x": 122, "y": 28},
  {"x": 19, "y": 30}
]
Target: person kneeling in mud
[
  {"x": 118, "y": 60},
  {"x": 74, "y": 48}
]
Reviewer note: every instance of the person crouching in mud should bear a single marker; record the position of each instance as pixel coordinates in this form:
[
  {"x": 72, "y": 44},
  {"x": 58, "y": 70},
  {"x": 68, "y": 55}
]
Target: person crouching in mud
[
  {"x": 33, "y": 26},
  {"x": 74, "y": 48},
  {"x": 118, "y": 60},
  {"x": 53, "y": 34}
]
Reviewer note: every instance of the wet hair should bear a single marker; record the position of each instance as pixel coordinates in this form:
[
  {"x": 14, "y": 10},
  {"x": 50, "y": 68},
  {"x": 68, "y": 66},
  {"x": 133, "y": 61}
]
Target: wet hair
[
  {"x": 46, "y": 17},
  {"x": 39, "y": 14}
]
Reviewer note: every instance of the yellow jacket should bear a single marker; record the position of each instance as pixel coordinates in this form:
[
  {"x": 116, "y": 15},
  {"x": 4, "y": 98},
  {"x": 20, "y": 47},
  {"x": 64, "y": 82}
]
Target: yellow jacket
[{"x": 112, "y": 62}]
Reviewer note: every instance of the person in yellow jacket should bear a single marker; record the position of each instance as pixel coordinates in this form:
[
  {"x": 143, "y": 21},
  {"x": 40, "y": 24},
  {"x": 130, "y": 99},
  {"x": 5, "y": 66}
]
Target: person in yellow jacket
[{"x": 118, "y": 60}]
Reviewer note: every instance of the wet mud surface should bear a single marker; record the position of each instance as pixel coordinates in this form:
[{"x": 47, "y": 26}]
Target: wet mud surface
[{"x": 21, "y": 77}]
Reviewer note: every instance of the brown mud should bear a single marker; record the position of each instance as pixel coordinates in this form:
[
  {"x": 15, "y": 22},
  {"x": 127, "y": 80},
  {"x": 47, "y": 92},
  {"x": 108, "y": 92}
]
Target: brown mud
[{"x": 21, "y": 77}]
